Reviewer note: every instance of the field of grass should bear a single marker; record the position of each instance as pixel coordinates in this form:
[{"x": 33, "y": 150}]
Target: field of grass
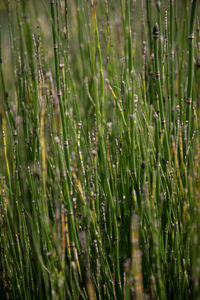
[{"x": 99, "y": 149}]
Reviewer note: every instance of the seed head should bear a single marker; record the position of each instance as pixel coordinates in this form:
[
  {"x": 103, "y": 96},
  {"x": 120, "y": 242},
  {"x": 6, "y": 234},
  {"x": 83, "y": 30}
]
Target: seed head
[
  {"x": 158, "y": 5},
  {"x": 198, "y": 62},
  {"x": 143, "y": 165},
  {"x": 57, "y": 140},
  {"x": 156, "y": 31}
]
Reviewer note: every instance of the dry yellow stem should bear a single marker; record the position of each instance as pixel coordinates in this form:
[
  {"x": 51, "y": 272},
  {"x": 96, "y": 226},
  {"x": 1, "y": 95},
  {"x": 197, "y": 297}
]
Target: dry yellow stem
[
  {"x": 63, "y": 236},
  {"x": 42, "y": 145},
  {"x": 67, "y": 237}
]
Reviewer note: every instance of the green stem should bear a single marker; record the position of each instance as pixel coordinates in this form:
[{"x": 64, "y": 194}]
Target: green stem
[{"x": 190, "y": 68}]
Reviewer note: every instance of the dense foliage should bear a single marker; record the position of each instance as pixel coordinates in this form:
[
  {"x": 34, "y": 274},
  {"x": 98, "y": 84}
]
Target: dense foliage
[{"x": 100, "y": 146}]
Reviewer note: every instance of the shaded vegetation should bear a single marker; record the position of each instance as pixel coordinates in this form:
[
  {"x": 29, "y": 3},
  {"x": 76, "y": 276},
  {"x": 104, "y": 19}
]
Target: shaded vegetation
[{"x": 99, "y": 156}]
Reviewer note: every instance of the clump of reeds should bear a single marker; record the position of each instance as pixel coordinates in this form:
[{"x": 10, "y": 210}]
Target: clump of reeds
[{"x": 99, "y": 164}]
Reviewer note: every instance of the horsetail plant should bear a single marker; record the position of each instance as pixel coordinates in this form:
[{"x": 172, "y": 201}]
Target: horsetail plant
[{"x": 99, "y": 156}]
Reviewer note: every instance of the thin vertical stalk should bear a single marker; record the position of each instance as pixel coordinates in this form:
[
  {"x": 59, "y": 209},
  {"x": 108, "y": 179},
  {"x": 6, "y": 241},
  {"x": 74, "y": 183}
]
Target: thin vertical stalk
[
  {"x": 159, "y": 91},
  {"x": 67, "y": 186},
  {"x": 172, "y": 91},
  {"x": 59, "y": 93},
  {"x": 190, "y": 68}
]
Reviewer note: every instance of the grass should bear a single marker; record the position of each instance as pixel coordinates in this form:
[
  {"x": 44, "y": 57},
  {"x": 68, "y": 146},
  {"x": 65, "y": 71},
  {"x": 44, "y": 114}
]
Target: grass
[{"x": 100, "y": 172}]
